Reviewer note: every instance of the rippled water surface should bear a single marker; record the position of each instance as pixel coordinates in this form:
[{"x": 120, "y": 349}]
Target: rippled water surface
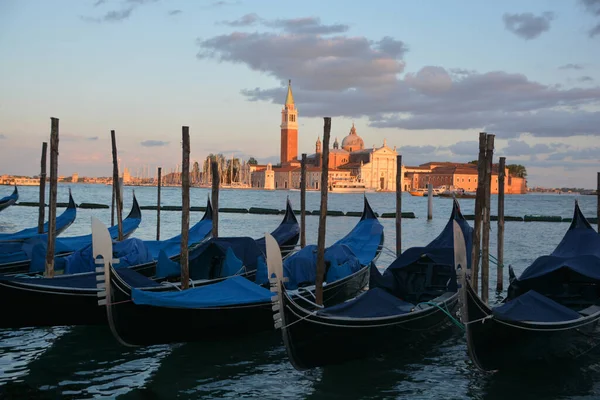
[{"x": 86, "y": 362}]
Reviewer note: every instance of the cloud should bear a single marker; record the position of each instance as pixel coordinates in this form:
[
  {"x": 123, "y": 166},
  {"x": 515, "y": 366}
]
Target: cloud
[
  {"x": 571, "y": 66},
  {"x": 245, "y": 20},
  {"x": 592, "y": 7},
  {"x": 118, "y": 15},
  {"x": 2, "y": 136},
  {"x": 526, "y": 25},
  {"x": 468, "y": 148},
  {"x": 577, "y": 155},
  {"x": 585, "y": 79},
  {"x": 354, "y": 76},
  {"x": 69, "y": 137},
  {"x": 174, "y": 12},
  {"x": 224, "y": 3},
  {"x": 521, "y": 148},
  {"x": 154, "y": 143},
  {"x": 300, "y": 26},
  {"x": 112, "y": 16}
]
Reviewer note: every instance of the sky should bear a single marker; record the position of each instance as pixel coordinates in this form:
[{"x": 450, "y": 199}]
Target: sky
[{"x": 426, "y": 76}]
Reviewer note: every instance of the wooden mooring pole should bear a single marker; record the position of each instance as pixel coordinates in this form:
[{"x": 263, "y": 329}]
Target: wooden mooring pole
[
  {"x": 598, "y": 202},
  {"x": 116, "y": 184},
  {"x": 479, "y": 201},
  {"x": 500, "y": 258},
  {"x": 42, "y": 206},
  {"x": 485, "y": 228},
  {"x": 323, "y": 214},
  {"x": 215, "y": 197},
  {"x": 303, "y": 201},
  {"x": 399, "y": 182},
  {"x": 49, "y": 270},
  {"x": 158, "y": 203},
  {"x": 112, "y": 207},
  {"x": 185, "y": 207},
  {"x": 429, "y": 201}
]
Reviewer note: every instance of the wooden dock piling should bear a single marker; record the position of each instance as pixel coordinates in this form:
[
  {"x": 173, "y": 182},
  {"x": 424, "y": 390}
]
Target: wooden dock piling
[
  {"x": 485, "y": 227},
  {"x": 215, "y": 197},
  {"x": 116, "y": 184},
  {"x": 158, "y": 186},
  {"x": 323, "y": 213},
  {"x": 42, "y": 206},
  {"x": 303, "y": 201},
  {"x": 399, "y": 180},
  {"x": 500, "y": 258},
  {"x": 185, "y": 207},
  {"x": 49, "y": 270},
  {"x": 429, "y": 201},
  {"x": 479, "y": 201}
]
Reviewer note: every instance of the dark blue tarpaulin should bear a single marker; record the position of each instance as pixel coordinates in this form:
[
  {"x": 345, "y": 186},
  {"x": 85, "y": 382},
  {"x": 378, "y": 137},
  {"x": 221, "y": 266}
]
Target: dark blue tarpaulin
[
  {"x": 231, "y": 291},
  {"x": 534, "y": 307},
  {"x": 371, "y": 304},
  {"x": 301, "y": 267},
  {"x": 577, "y": 257}
]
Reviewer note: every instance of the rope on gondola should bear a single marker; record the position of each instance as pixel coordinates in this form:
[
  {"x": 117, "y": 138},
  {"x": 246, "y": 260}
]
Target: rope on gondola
[{"x": 445, "y": 311}]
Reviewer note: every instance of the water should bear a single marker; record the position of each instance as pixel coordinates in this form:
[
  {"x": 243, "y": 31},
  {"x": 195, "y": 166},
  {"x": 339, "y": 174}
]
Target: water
[{"x": 86, "y": 362}]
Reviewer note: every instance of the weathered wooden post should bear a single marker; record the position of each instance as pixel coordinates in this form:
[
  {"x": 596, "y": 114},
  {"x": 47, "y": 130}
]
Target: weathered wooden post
[
  {"x": 116, "y": 184},
  {"x": 303, "y": 201},
  {"x": 112, "y": 207},
  {"x": 500, "y": 266},
  {"x": 399, "y": 183},
  {"x": 215, "y": 197},
  {"x": 185, "y": 207},
  {"x": 485, "y": 234},
  {"x": 429, "y": 201},
  {"x": 479, "y": 202},
  {"x": 49, "y": 270},
  {"x": 42, "y": 205},
  {"x": 323, "y": 213},
  {"x": 158, "y": 204}
]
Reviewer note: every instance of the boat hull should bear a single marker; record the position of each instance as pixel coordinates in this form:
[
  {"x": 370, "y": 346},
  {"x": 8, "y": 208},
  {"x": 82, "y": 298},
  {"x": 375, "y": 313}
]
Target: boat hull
[
  {"x": 141, "y": 325},
  {"x": 495, "y": 345},
  {"x": 316, "y": 341}
]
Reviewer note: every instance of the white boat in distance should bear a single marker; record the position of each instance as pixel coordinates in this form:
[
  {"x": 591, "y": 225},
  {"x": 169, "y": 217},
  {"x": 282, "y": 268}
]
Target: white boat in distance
[{"x": 348, "y": 186}]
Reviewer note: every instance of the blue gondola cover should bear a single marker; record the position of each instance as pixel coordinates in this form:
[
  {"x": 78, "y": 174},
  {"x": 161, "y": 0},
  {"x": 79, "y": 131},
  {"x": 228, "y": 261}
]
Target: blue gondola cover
[
  {"x": 534, "y": 307},
  {"x": 371, "y": 304},
  {"x": 232, "y": 291}
]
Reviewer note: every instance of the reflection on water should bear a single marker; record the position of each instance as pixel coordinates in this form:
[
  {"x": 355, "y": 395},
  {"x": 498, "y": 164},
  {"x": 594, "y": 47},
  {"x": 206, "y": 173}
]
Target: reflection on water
[{"x": 86, "y": 362}]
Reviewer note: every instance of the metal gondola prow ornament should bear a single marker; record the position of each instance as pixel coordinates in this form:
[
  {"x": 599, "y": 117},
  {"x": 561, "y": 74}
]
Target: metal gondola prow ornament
[
  {"x": 276, "y": 279},
  {"x": 102, "y": 246}
]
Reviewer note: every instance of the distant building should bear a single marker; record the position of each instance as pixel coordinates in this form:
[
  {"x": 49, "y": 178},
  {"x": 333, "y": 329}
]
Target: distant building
[
  {"x": 75, "y": 177},
  {"x": 375, "y": 167},
  {"x": 459, "y": 175}
]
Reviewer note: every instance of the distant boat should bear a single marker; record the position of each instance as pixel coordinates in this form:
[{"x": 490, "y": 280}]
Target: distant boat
[
  {"x": 9, "y": 200},
  {"x": 457, "y": 192},
  {"x": 348, "y": 186}
]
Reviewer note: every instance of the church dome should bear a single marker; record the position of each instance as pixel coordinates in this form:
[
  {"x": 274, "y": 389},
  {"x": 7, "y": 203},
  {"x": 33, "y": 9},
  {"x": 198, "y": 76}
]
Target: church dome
[{"x": 353, "y": 142}]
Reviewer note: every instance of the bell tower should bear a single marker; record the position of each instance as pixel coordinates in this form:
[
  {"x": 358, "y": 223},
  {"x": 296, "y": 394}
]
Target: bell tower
[{"x": 289, "y": 129}]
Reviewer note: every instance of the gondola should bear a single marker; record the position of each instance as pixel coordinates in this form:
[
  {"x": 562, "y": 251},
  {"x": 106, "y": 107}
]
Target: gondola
[
  {"x": 205, "y": 260},
  {"x": 72, "y": 297},
  {"x": 233, "y": 306},
  {"x": 29, "y": 255},
  {"x": 551, "y": 313},
  {"x": 9, "y": 200},
  {"x": 63, "y": 221},
  {"x": 413, "y": 299}
]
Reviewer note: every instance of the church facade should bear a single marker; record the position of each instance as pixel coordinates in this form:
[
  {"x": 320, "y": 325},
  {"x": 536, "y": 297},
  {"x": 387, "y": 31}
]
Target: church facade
[{"x": 375, "y": 167}]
